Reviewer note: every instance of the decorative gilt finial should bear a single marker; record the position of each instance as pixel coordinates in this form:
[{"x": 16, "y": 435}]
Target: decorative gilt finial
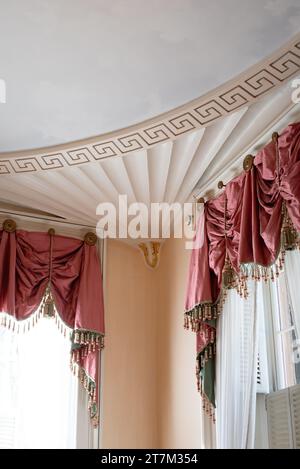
[
  {"x": 51, "y": 232},
  {"x": 90, "y": 239},
  {"x": 248, "y": 163},
  {"x": 275, "y": 137},
  {"x": 151, "y": 253},
  {"x": 9, "y": 226}
]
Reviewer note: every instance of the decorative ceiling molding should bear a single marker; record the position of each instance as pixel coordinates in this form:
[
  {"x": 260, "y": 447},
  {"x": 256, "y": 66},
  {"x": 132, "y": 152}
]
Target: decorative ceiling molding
[
  {"x": 170, "y": 172},
  {"x": 202, "y": 112}
]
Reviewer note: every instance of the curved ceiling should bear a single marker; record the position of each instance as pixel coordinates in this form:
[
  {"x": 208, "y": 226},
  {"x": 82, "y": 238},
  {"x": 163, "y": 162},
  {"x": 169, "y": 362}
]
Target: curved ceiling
[
  {"x": 168, "y": 172},
  {"x": 78, "y": 68}
]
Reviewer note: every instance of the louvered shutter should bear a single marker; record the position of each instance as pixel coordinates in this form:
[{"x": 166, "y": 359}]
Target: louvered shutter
[
  {"x": 295, "y": 414},
  {"x": 283, "y": 410},
  {"x": 7, "y": 432},
  {"x": 279, "y": 420}
]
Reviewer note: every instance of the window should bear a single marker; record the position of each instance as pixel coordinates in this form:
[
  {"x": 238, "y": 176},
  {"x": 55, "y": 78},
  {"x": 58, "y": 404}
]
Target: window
[
  {"x": 278, "y": 338},
  {"x": 285, "y": 336},
  {"x": 38, "y": 405},
  {"x": 283, "y": 409},
  {"x": 278, "y": 367}
]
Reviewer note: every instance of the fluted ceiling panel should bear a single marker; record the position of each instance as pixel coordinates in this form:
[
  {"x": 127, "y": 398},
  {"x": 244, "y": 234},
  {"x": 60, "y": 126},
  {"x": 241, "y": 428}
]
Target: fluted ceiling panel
[{"x": 169, "y": 172}]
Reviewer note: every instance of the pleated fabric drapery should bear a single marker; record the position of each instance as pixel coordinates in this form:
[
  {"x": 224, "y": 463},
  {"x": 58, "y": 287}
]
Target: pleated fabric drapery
[
  {"x": 242, "y": 235},
  {"x": 43, "y": 273}
]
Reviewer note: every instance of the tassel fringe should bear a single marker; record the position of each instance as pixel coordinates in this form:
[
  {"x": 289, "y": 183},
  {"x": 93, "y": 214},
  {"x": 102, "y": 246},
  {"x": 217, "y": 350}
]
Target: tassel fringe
[
  {"x": 89, "y": 340},
  {"x": 203, "y": 357},
  {"x": 90, "y": 387},
  {"x": 19, "y": 327},
  {"x": 208, "y": 408},
  {"x": 83, "y": 342},
  {"x": 48, "y": 306},
  {"x": 202, "y": 312}
]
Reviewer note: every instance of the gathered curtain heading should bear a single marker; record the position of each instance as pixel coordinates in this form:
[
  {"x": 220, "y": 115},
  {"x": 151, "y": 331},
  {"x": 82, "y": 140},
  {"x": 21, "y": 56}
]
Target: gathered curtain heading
[
  {"x": 47, "y": 274},
  {"x": 242, "y": 234}
]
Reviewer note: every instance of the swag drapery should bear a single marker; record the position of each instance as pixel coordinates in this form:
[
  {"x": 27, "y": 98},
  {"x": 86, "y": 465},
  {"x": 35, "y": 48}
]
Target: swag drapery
[
  {"x": 242, "y": 234},
  {"x": 43, "y": 273}
]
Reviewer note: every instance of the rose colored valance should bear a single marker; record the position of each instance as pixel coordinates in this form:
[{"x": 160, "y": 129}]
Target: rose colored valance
[
  {"x": 243, "y": 232},
  {"x": 274, "y": 179},
  {"x": 38, "y": 268}
]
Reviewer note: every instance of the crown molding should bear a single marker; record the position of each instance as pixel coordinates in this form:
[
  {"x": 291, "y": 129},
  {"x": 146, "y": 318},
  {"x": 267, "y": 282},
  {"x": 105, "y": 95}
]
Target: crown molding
[{"x": 241, "y": 91}]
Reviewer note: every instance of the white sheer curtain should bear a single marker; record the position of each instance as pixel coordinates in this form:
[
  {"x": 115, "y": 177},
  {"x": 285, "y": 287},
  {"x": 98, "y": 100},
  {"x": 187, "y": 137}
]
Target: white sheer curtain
[
  {"x": 266, "y": 326},
  {"x": 38, "y": 393},
  {"x": 236, "y": 363}
]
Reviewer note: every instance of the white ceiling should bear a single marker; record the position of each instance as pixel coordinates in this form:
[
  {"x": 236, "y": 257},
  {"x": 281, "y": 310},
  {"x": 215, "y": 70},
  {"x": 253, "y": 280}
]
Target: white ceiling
[
  {"x": 79, "y": 68},
  {"x": 168, "y": 172}
]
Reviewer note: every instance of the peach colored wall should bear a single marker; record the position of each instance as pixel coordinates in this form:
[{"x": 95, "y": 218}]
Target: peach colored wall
[
  {"x": 149, "y": 391},
  {"x": 179, "y": 402},
  {"x": 129, "y": 415}
]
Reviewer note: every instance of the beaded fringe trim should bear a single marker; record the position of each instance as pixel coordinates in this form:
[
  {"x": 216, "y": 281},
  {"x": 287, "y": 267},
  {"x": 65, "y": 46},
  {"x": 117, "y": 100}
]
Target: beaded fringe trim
[
  {"x": 90, "y": 387},
  {"x": 204, "y": 356},
  {"x": 203, "y": 312},
  {"x": 88, "y": 341},
  {"x": 231, "y": 280},
  {"x": 207, "y": 406},
  {"x": 83, "y": 342},
  {"x": 19, "y": 327}
]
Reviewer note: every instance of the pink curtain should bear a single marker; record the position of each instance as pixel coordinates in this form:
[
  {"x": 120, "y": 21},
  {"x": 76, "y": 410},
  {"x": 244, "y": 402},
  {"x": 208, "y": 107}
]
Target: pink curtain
[
  {"x": 249, "y": 229},
  {"x": 274, "y": 179},
  {"x": 252, "y": 222},
  {"x": 29, "y": 262}
]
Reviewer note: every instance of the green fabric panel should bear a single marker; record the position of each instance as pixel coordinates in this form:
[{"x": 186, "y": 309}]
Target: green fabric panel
[
  {"x": 212, "y": 323},
  {"x": 208, "y": 377},
  {"x": 208, "y": 372}
]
